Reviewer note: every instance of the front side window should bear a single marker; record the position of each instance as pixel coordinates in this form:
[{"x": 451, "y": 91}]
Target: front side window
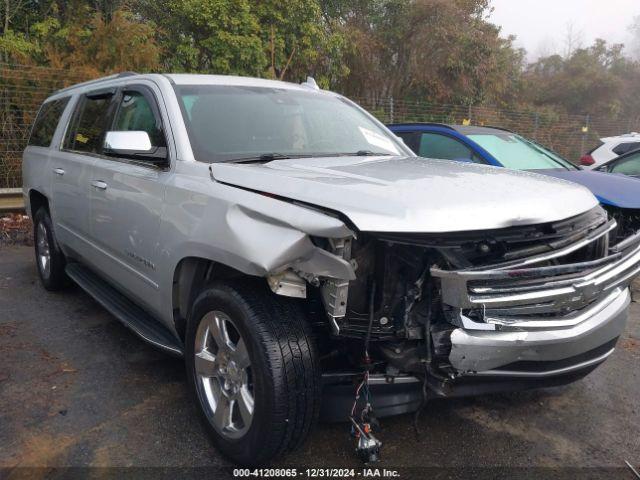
[
  {"x": 229, "y": 123},
  {"x": 515, "y": 152},
  {"x": 628, "y": 166},
  {"x": 46, "y": 122},
  {"x": 91, "y": 121},
  {"x": 434, "y": 145},
  {"x": 410, "y": 139},
  {"x": 136, "y": 113}
]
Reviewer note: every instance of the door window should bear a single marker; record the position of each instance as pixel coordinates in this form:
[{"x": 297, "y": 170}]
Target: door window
[
  {"x": 627, "y": 166},
  {"x": 626, "y": 147},
  {"x": 137, "y": 112},
  {"x": 92, "y": 118},
  {"x": 46, "y": 122},
  {"x": 434, "y": 145},
  {"x": 410, "y": 139}
]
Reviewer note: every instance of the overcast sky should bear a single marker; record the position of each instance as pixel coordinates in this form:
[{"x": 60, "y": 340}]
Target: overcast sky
[{"x": 541, "y": 25}]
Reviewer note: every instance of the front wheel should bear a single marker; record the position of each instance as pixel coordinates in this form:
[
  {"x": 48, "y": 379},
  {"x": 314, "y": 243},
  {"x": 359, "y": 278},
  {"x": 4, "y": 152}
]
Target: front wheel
[{"x": 253, "y": 369}]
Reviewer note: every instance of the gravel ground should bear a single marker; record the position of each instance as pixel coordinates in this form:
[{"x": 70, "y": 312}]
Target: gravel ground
[{"x": 77, "y": 389}]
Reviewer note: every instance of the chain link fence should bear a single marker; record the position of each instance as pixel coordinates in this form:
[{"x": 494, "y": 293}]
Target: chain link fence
[{"x": 23, "y": 88}]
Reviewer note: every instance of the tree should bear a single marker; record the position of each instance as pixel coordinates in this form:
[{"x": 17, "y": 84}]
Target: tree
[
  {"x": 435, "y": 50},
  {"x": 598, "y": 80},
  {"x": 208, "y": 36},
  {"x": 284, "y": 39}
]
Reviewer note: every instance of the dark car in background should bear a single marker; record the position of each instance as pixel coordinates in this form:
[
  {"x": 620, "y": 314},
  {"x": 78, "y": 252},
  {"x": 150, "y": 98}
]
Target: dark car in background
[{"x": 619, "y": 195}]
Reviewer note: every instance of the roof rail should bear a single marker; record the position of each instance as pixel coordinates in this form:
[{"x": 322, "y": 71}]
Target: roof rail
[
  {"x": 310, "y": 82},
  {"x": 99, "y": 80}
]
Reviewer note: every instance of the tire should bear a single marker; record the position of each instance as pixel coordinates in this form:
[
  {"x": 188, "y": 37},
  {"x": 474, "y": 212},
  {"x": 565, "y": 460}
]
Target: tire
[
  {"x": 49, "y": 258},
  {"x": 283, "y": 375}
]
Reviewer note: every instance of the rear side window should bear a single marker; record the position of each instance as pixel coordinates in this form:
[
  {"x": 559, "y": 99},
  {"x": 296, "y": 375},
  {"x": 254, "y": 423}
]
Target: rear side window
[
  {"x": 91, "y": 120},
  {"x": 626, "y": 147},
  {"x": 46, "y": 122}
]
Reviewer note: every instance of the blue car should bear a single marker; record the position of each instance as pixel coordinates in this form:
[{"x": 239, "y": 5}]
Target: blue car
[{"x": 619, "y": 195}]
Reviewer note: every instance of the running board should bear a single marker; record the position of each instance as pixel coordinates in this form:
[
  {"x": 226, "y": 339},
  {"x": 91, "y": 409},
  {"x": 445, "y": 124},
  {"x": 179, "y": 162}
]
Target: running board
[{"x": 131, "y": 315}]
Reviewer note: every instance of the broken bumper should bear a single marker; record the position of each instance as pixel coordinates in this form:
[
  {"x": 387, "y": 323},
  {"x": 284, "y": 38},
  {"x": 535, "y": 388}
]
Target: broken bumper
[
  {"x": 526, "y": 320},
  {"x": 542, "y": 353}
]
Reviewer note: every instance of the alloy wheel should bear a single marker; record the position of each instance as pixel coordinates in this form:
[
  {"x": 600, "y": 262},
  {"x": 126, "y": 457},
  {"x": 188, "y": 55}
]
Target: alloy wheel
[{"x": 223, "y": 375}]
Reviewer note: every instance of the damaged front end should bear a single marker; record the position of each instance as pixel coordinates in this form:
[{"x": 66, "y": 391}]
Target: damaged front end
[{"x": 472, "y": 312}]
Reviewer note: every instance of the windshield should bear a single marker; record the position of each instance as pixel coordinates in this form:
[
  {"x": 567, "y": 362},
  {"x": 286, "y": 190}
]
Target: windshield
[
  {"x": 515, "y": 152},
  {"x": 233, "y": 123}
]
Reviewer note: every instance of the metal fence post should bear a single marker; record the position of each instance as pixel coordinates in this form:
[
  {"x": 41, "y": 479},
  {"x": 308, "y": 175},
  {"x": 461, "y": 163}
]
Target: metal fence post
[
  {"x": 585, "y": 132},
  {"x": 390, "y": 109},
  {"x": 536, "y": 124}
]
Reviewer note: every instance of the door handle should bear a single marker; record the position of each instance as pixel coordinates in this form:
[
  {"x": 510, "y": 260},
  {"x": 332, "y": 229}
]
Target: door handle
[
  {"x": 99, "y": 184},
  {"x": 58, "y": 171}
]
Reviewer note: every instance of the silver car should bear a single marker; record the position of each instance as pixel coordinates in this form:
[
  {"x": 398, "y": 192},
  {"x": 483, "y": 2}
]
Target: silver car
[{"x": 305, "y": 263}]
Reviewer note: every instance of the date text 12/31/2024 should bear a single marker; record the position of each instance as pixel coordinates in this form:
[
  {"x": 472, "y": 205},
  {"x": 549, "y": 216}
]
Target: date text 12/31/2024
[{"x": 316, "y": 472}]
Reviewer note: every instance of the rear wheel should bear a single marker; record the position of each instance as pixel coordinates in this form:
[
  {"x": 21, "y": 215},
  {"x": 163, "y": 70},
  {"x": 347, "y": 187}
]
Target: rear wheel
[
  {"x": 253, "y": 369},
  {"x": 49, "y": 258}
]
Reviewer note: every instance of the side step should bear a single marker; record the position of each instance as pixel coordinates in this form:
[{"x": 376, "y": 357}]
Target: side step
[{"x": 134, "y": 317}]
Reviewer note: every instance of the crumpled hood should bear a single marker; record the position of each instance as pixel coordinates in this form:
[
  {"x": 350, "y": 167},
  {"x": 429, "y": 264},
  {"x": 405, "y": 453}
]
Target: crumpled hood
[
  {"x": 617, "y": 190},
  {"x": 407, "y": 194}
]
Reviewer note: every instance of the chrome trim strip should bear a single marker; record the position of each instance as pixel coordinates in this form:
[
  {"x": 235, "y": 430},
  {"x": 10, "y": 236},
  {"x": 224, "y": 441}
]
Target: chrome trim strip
[
  {"x": 547, "y": 296},
  {"x": 575, "y": 318},
  {"x": 548, "y": 373}
]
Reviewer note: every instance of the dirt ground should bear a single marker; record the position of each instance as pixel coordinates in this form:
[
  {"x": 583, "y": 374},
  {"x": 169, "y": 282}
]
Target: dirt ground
[{"x": 77, "y": 389}]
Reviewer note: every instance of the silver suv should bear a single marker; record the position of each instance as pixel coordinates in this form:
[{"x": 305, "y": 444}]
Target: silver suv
[{"x": 294, "y": 251}]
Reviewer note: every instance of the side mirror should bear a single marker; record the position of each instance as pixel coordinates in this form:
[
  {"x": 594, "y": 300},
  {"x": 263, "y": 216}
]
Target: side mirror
[{"x": 135, "y": 145}]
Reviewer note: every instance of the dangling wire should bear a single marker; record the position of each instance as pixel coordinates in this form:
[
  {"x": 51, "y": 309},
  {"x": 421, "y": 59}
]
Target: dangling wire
[
  {"x": 367, "y": 338},
  {"x": 363, "y": 386}
]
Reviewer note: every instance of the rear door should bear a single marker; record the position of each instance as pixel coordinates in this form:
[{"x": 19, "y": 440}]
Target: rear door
[
  {"x": 72, "y": 165},
  {"x": 127, "y": 200}
]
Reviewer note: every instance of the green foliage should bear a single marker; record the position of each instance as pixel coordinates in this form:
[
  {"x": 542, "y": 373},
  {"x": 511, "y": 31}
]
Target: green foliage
[
  {"x": 437, "y": 50},
  {"x": 443, "y": 51},
  {"x": 283, "y": 39},
  {"x": 208, "y": 36},
  {"x": 597, "y": 80}
]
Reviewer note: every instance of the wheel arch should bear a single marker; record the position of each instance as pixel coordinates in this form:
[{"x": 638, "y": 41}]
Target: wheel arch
[
  {"x": 190, "y": 276},
  {"x": 37, "y": 200}
]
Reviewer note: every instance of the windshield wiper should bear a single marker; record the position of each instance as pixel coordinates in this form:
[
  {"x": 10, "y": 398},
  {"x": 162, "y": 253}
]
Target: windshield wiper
[
  {"x": 264, "y": 157},
  {"x": 268, "y": 157},
  {"x": 362, "y": 153}
]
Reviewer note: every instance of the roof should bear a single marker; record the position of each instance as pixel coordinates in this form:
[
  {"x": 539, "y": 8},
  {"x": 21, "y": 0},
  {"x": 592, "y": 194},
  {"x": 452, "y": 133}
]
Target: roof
[
  {"x": 475, "y": 130},
  {"x": 195, "y": 79},
  {"x": 623, "y": 137}
]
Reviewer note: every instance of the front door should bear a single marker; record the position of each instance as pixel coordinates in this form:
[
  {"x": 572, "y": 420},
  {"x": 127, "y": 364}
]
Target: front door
[{"x": 127, "y": 202}]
